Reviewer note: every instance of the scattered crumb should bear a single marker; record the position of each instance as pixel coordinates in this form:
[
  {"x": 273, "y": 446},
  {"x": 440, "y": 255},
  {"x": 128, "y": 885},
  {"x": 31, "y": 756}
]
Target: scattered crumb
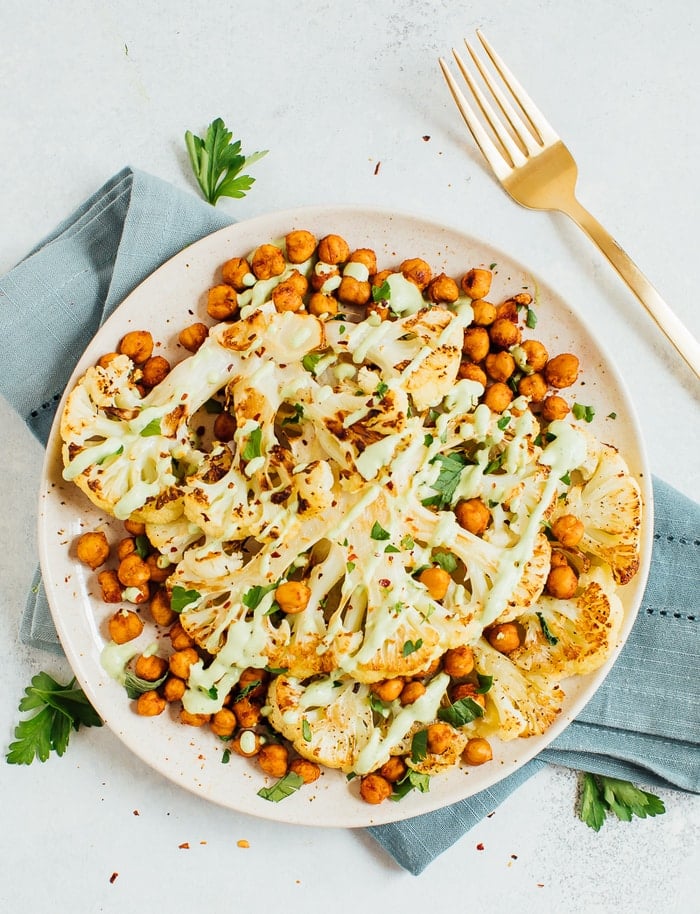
[
  {"x": 513, "y": 856},
  {"x": 426, "y": 138},
  {"x": 202, "y": 842},
  {"x": 243, "y": 843},
  {"x": 184, "y": 846},
  {"x": 136, "y": 812},
  {"x": 540, "y": 885},
  {"x": 113, "y": 878},
  {"x": 377, "y": 167},
  {"x": 491, "y": 814}
]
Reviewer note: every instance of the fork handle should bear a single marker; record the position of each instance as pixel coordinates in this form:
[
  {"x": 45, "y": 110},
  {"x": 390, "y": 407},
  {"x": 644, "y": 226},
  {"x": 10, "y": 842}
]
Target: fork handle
[{"x": 677, "y": 333}]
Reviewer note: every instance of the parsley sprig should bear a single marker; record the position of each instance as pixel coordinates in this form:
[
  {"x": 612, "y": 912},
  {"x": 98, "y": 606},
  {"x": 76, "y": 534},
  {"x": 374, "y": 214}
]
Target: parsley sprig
[
  {"x": 601, "y": 794},
  {"x": 61, "y": 708},
  {"x": 217, "y": 162}
]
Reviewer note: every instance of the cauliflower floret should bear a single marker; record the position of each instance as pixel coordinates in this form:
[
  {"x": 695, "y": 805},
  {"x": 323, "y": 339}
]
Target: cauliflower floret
[
  {"x": 609, "y": 505},
  {"x": 518, "y": 703},
  {"x": 327, "y": 720},
  {"x": 583, "y": 631}
]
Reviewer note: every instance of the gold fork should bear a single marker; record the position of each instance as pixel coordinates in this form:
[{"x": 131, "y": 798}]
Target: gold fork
[{"x": 538, "y": 171}]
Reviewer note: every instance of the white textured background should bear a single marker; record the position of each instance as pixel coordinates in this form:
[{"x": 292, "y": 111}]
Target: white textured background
[{"x": 342, "y": 95}]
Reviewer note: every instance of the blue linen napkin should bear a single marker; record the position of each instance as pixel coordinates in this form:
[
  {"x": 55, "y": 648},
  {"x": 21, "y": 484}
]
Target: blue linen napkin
[{"x": 643, "y": 723}]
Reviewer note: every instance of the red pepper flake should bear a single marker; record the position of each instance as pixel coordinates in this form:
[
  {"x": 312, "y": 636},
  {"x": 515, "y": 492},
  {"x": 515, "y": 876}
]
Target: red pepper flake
[
  {"x": 384, "y": 582},
  {"x": 480, "y": 846},
  {"x": 425, "y": 139},
  {"x": 513, "y": 856},
  {"x": 113, "y": 878},
  {"x": 184, "y": 846},
  {"x": 377, "y": 167}
]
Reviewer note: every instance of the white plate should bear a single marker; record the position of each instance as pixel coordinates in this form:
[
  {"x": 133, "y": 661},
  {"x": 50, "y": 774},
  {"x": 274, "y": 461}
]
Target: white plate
[{"x": 175, "y": 296}]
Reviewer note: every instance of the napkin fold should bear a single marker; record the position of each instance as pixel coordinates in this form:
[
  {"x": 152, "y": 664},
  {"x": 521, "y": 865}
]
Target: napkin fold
[{"x": 642, "y": 724}]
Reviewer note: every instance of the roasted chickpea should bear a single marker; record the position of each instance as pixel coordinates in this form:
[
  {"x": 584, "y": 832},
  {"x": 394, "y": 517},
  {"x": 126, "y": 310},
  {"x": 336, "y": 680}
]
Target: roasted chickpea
[
  {"x": 477, "y": 751},
  {"x": 179, "y": 637},
  {"x": 476, "y": 343},
  {"x": 106, "y": 360},
  {"x": 192, "y": 337},
  {"x": 498, "y": 397},
  {"x": 150, "y": 667},
  {"x": 247, "y": 713},
  {"x": 125, "y": 547},
  {"x": 394, "y": 770},
  {"x": 365, "y": 256},
  {"x": 504, "y": 637},
  {"x": 292, "y": 596},
  {"x": 92, "y": 549},
  {"x": 299, "y": 245},
  {"x": 320, "y": 305},
  {"x": 193, "y": 720},
  {"x": 246, "y": 743},
  {"x": 411, "y": 692},
  {"x": 504, "y": 333},
  {"x": 286, "y": 298},
  {"x": 466, "y": 690},
  {"x": 499, "y": 365},
  {"x": 440, "y": 736},
  {"x": 484, "y": 312},
  {"x": 150, "y": 704},
  {"x": 333, "y": 249},
  {"x": 236, "y": 272},
  {"x": 533, "y": 386},
  {"x": 134, "y": 527},
  {"x": 353, "y": 291},
  {"x": 181, "y": 661},
  {"x": 222, "y": 302},
  {"x": 307, "y": 770},
  {"x": 458, "y": 661},
  {"x": 174, "y": 688},
  {"x": 325, "y": 277},
  {"x": 110, "y": 586},
  {"x": 161, "y": 612},
  {"x": 535, "y": 354},
  {"x": 442, "y": 289},
  {"x": 154, "y": 370},
  {"x": 473, "y": 515},
  {"x": 381, "y": 310},
  {"x": 223, "y": 722},
  {"x": 159, "y": 571},
  {"x": 138, "y": 345},
  {"x": 476, "y": 283},
  {"x": 562, "y": 582},
  {"x": 470, "y": 371},
  {"x": 137, "y": 593},
  {"x": 416, "y": 271},
  {"x": 562, "y": 370},
  {"x": 375, "y": 789},
  {"x": 133, "y": 571},
  {"x": 267, "y": 261},
  {"x": 224, "y": 427},
  {"x": 568, "y": 530},
  {"x": 554, "y": 407},
  {"x": 124, "y": 626},
  {"x": 436, "y": 580},
  {"x": 273, "y": 758},
  {"x": 387, "y": 689},
  {"x": 558, "y": 558}
]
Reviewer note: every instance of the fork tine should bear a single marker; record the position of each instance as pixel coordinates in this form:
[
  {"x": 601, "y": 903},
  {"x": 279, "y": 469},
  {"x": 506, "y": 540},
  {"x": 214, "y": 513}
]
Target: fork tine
[
  {"x": 538, "y": 121},
  {"x": 513, "y": 153},
  {"x": 488, "y": 148}
]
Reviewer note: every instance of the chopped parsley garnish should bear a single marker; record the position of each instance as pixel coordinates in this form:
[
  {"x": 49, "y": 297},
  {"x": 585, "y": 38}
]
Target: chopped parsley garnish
[
  {"x": 583, "y": 412},
  {"x": 410, "y": 647},
  {"x": 136, "y": 686},
  {"x": 311, "y": 360},
  {"x": 153, "y": 428},
  {"x": 214, "y": 406},
  {"x": 246, "y": 690},
  {"x": 446, "y": 560},
  {"x": 251, "y": 598},
  {"x": 391, "y": 548},
  {"x": 181, "y": 598},
  {"x": 419, "y": 746},
  {"x": 612, "y": 416},
  {"x": 552, "y": 639},
  {"x": 350, "y": 566},
  {"x": 407, "y": 542},
  {"x": 503, "y": 422},
  {"x": 494, "y": 464},
  {"x": 283, "y": 788},
  {"x": 412, "y": 780},
  {"x": 119, "y": 450},
  {"x": 379, "y": 706},
  {"x": 531, "y": 319},
  {"x": 451, "y": 466},
  {"x": 381, "y": 293},
  {"x": 378, "y": 532},
  {"x": 142, "y": 546},
  {"x": 213, "y": 693},
  {"x": 566, "y": 479},
  {"x": 306, "y": 730},
  {"x": 252, "y": 448},
  {"x": 381, "y": 390},
  {"x": 461, "y": 712},
  {"x": 225, "y": 756},
  {"x": 297, "y": 417}
]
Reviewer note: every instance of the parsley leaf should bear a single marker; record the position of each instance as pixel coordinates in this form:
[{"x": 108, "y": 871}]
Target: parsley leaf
[
  {"x": 181, "y": 597},
  {"x": 153, "y": 428},
  {"x": 381, "y": 293},
  {"x": 412, "y": 780},
  {"x": 311, "y": 360},
  {"x": 381, "y": 390},
  {"x": 601, "y": 794},
  {"x": 297, "y": 417},
  {"x": 461, "y": 712},
  {"x": 583, "y": 412},
  {"x": 217, "y": 163},
  {"x": 552, "y": 639},
  {"x": 251, "y": 598},
  {"x": 142, "y": 546},
  {"x": 419, "y": 746},
  {"x": 136, "y": 686},
  {"x": 283, "y": 788},
  {"x": 531, "y": 319},
  {"x": 61, "y": 708},
  {"x": 410, "y": 647},
  {"x": 306, "y": 730},
  {"x": 446, "y": 561},
  {"x": 252, "y": 447},
  {"x": 378, "y": 532},
  {"x": 451, "y": 466}
]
